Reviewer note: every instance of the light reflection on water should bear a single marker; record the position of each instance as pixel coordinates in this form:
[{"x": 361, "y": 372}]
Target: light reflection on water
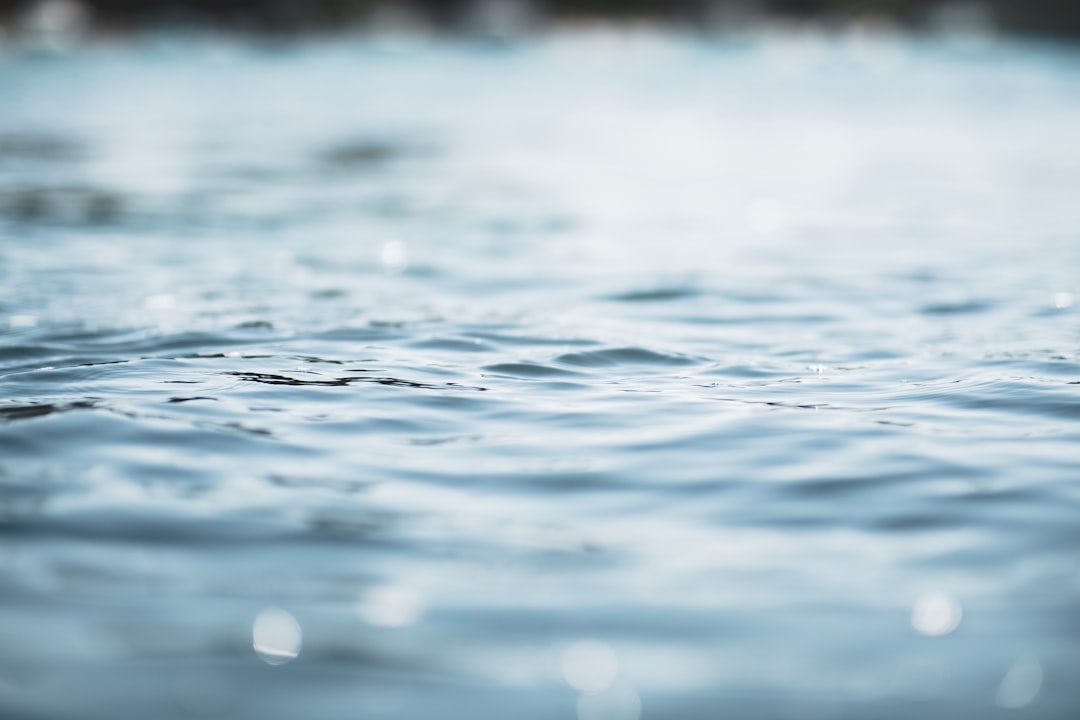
[
  {"x": 936, "y": 613},
  {"x": 599, "y": 378},
  {"x": 276, "y": 636}
]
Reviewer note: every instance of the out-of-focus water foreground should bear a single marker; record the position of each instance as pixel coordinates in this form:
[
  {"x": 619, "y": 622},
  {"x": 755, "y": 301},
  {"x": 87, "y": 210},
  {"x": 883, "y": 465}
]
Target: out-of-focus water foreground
[{"x": 600, "y": 375}]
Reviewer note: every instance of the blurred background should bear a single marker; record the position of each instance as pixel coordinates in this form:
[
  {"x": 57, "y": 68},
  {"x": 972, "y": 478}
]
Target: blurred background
[{"x": 39, "y": 19}]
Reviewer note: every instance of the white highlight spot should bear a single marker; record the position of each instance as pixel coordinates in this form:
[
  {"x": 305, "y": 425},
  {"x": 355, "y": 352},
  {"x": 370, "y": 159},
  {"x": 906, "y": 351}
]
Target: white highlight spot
[
  {"x": 1063, "y": 300},
  {"x": 936, "y": 613},
  {"x": 1021, "y": 683},
  {"x": 391, "y": 606},
  {"x": 394, "y": 256},
  {"x": 276, "y": 636},
  {"x": 162, "y": 301},
  {"x": 590, "y": 666},
  {"x": 23, "y": 321},
  {"x": 620, "y": 702}
]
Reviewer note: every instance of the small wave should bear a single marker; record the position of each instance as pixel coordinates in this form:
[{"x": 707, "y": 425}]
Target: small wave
[
  {"x": 63, "y": 205},
  {"x": 758, "y": 319},
  {"x": 525, "y": 370},
  {"x": 966, "y": 307},
  {"x": 615, "y": 357},
  {"x": 25, "y": 352},
  {"x": 533, "y": 340},
  {"x": 365, "y": 154},
  {"x": 272, "y": 379},
  {"x": 452, "y": 344},
  {"x": 40, "y": 147},
  {"x": 1008, "y": 396},
  {"x": 655, "y": 295},
  {"x": 12, "y": 413},
  {"x": 143, "y": 526},
  {"x": 747, "y": 371}
]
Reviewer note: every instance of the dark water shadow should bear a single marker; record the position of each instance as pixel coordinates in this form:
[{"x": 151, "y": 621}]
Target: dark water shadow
[{"x": 271, "y": 379}]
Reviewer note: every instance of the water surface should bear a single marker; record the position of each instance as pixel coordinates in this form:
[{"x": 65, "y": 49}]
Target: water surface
[{"x": 594, "y": 378}]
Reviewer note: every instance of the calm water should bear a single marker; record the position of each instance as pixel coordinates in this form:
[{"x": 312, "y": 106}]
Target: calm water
[{"x": 600, "y": 379}]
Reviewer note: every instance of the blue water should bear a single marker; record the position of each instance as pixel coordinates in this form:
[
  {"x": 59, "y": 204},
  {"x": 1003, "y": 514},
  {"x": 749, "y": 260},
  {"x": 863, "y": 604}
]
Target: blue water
[{"x": 603, "y": 377}]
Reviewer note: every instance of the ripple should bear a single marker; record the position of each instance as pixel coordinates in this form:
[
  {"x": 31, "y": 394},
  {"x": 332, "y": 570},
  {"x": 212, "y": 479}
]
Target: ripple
[
  {"x": 452, "y": 344},
  {"x": 510, "y": 340},
  {"x": 365, "y": 154},
  {"x": 11, "y": 413},
  {"x": 1007, "y": 396},
  {"x": 271, "y": 379},
  {"x": 655, "y": 295},
  {"x": 618, "y": 357},
  {"x": 40, "y": 147},
  {"x": 26, "y": 352},
  {"x": 147, "y": 526},
  {"x": 526, "y": 370},
  {"x": 966, "y": 307},
  {"x": 63, "y": 205}
]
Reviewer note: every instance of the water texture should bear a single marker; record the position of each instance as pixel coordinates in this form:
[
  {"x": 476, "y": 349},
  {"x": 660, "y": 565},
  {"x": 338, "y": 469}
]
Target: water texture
[{"x": 595, "y": 378}]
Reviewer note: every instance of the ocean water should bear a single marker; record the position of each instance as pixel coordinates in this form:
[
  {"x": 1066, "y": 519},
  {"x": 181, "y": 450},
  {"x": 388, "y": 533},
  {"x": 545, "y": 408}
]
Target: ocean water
[{"x": 601, "y": 377}]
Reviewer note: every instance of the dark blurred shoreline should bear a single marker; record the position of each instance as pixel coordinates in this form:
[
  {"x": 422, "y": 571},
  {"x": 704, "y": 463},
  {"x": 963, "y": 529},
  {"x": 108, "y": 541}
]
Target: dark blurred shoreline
[{"x": 496, "y": 18}]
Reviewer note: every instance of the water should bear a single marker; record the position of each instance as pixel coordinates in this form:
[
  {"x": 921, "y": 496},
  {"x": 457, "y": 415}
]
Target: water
[{"x": 593, "y": 378}]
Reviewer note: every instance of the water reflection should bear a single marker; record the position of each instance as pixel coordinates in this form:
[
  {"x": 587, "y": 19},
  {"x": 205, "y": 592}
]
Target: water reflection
[
  {"x": 1021, "y": 684},
  {"x": 391, "y": 606},
  {"x": 590, "y": 666},
  {"x": 936, "y": 613},
  {"x": 22, "y": 321},
  {"x": 276, "y": 636},
  {"x": 394, "y": 256}
]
